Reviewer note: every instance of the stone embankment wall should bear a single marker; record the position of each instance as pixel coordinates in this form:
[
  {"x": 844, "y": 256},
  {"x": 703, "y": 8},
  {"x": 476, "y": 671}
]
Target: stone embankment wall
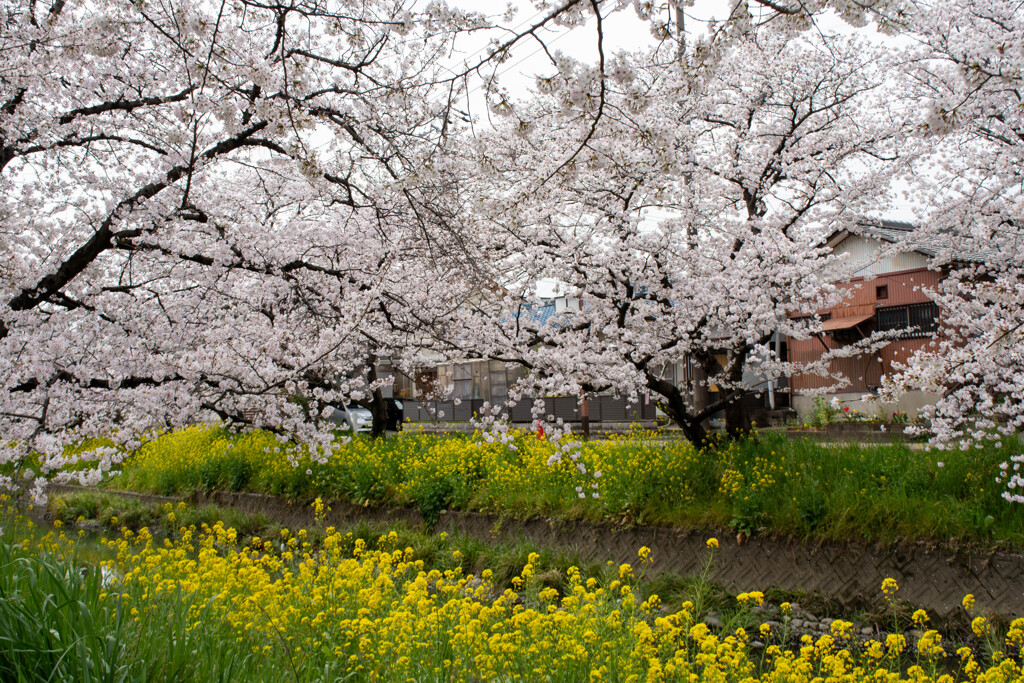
[{"x": 849, "y": 573}]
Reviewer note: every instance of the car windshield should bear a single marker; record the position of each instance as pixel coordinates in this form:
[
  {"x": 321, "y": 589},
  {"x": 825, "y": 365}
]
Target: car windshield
[{"x": 355, "y": 407}]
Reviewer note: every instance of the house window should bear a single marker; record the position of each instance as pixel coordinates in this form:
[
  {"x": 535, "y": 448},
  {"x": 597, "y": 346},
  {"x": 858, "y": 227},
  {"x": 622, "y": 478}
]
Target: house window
[
  {"x": 499, "y": 382},
  {"x": 921, "y": 319},
  {"x": 462, "y": 384},
  {"x": 882, "y": 292},
  {"x": 846, "y": 335},
  {"x": 428, "y": 383}
]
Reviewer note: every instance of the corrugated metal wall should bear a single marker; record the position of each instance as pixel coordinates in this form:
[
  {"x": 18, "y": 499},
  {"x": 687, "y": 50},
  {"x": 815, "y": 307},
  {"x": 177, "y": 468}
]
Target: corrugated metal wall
[{"x": 865, "y": 250}]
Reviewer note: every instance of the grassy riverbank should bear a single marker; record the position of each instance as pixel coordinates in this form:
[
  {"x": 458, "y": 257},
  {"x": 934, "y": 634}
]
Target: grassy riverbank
[{"x": 763, "y": 484}]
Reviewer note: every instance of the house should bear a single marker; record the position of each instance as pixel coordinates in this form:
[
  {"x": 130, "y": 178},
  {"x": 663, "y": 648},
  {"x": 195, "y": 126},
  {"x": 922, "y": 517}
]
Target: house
[
  {"x": 888, "y": 292},
  {"x": 465, "y": 387}
]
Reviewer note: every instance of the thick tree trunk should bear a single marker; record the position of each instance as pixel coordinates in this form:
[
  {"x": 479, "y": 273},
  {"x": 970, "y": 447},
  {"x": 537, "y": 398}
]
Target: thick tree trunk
[
  {"x": 700, "y": 388},
  {"x": 695, "y": 432},
  {"x": 678, "y": 411},
  {"x": 737, "y": 418},
  {"x": 585, "y": 415}
]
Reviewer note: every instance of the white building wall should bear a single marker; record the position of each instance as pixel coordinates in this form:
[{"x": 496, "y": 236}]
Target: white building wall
[
  {"x": 910, "y": 403},
  {"x": 865, "y": 250}
]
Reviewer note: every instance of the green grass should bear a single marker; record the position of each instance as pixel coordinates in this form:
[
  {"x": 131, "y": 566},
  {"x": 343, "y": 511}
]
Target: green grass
[
  {"x": 881, "y": 493},
  {"x": 874, "y": 493},
  {"x": 57, "y": 623}
]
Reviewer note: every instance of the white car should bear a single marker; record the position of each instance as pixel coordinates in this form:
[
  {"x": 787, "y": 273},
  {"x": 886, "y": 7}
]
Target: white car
[{"x": 353, "y": 417}]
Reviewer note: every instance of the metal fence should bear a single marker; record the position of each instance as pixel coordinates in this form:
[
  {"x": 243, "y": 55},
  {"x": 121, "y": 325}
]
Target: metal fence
[{"x": 602, "y": 409}]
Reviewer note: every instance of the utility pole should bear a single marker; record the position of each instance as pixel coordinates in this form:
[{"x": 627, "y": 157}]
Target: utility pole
[
  {"x": 681, "y": 32},
  {"x": 698, "y": 377},
  {"x": 585, "y": 415}
]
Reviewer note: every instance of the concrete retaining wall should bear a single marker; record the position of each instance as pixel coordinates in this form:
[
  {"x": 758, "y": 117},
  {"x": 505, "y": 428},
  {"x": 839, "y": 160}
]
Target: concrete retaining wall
[{"x": 849, "y": 573}]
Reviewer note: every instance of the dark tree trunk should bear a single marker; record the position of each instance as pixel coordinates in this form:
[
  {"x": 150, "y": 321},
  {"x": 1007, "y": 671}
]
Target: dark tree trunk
[
  {"x": 700, "y": 388},
  {"x": 379, "y": 409},
  {"x": 695, "y": 432},
  {"x": 585, "y": 415},
  {"x": 378, "y": 406},
  {"x": 678, "y": 411},
  {"x": 691, "y": 417},
  {"x": 737, "y": 416}
]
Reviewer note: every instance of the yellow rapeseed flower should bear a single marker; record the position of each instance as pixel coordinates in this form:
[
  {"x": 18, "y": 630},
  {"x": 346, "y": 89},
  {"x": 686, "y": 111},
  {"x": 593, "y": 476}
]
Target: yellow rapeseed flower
[{"x": 889, "y": 588}]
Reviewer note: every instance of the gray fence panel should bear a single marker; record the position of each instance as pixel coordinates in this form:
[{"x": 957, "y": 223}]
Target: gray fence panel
[
  {"x": 567, "y": 408},
  {"x": 461, "y": 412},
  {"x": 521, "y": 411},
  {"x": 420, "y": 412},
  {"x": 640, "y": 411},
  {"x": 613, "y": 409},
  {"x": 602, "y": 409},
  {"x": 649, "y": 411}
]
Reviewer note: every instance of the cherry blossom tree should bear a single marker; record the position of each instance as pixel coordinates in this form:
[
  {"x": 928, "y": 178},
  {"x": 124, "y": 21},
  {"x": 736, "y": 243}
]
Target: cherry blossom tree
[
  {"x": 230, "y": 210},
  {"x": 689, "y": 224},
  {"x": 970, "y": 69},
  {"x": 223, "y": 209},
  {"x": 217, "y": 210}
]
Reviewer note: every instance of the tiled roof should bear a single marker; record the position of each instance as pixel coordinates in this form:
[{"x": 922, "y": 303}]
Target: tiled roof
[
  {"x": 531, "y": 312},
  {"x": 898, "y": 231},
  {"x": 891, "y": 231},
  {"x": 541, "y": 314}
]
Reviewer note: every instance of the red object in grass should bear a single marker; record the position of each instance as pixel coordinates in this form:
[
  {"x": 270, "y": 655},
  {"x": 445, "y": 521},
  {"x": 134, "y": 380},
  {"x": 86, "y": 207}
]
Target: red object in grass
[
  {"x": 846, "y": 408},
  {"x": 540, "y": 430}
]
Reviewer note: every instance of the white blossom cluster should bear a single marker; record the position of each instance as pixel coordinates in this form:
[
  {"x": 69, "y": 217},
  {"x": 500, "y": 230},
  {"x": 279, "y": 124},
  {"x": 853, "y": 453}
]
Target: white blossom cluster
[
  {"x": 216, "y": 212},
  {"x": 690, "y": 226}
]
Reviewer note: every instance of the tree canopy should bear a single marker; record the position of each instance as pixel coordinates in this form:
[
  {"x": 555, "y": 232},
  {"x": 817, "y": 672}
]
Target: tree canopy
[{"x": 233, "y": 210}]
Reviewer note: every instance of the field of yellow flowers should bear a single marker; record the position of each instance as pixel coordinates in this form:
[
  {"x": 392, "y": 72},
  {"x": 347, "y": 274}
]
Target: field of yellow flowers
[
  {"x": 204, "y": 606},
  {"x": 766, "y": 482}
]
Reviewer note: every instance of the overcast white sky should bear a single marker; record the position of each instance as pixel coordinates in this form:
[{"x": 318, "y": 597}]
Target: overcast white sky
[{"x": 622, "y": 31}]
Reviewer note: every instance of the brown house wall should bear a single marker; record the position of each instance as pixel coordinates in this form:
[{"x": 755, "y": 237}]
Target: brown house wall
[{"x": 865, "y": 371}]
